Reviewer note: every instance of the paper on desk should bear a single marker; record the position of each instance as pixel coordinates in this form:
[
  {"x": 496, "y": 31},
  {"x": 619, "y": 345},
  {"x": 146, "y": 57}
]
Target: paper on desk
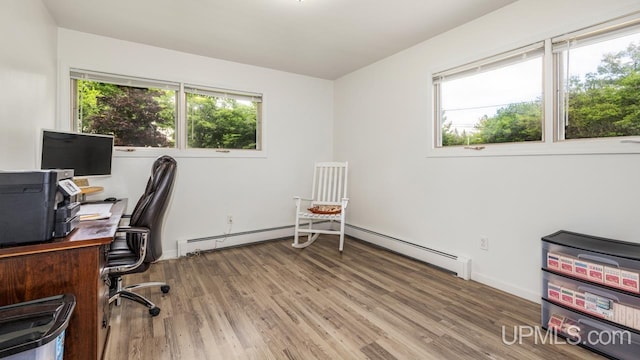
[
  {"x": 95, "y": 211},
  {"x": 95, "y": 216}
]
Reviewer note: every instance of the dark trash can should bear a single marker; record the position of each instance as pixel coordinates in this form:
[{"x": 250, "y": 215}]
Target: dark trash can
[{"x": 34, "y": 330}]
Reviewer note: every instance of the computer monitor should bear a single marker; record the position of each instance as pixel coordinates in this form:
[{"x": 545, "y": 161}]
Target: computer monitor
[{"x": 86, "y": 154}]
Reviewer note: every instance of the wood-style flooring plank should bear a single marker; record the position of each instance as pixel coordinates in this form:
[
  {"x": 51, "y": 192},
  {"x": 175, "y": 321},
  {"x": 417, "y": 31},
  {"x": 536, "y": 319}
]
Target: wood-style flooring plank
[{"x": 271, "y": 301}]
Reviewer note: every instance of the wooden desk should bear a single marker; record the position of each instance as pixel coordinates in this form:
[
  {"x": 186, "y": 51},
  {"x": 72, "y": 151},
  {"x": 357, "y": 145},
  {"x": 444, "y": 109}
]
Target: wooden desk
[{"x": 73, "y": 264}]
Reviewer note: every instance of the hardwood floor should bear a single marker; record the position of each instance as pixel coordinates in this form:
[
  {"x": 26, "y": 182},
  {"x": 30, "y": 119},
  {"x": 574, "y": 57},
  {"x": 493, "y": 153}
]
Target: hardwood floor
[{"x": 271, "y": 301}]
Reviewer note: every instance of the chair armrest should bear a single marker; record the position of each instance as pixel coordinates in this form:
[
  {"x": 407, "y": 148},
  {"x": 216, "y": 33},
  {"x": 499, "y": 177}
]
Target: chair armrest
[
  {"x": 142, "y": 249},
  {"x": 345, "y": 202},
  {"x": 299, "y": 201},
  {"x": 133, "y": 229},
  {"x": 125, "y": 218}
]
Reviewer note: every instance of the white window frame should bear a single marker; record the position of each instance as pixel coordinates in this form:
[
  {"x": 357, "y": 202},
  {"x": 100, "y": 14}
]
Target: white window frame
[
  {"x": 588, "y": 36},
  {"x": 66, "y": 119},
  {"x": 224, "y": 93},
  {"x": 490, "y": 63},
  {"x": 552, "y": 143}
]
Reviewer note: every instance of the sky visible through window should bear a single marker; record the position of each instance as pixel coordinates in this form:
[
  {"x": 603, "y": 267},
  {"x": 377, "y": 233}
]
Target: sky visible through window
[
  {"x": 466, "y": 100},
  {"x": 586, "y": 59}
]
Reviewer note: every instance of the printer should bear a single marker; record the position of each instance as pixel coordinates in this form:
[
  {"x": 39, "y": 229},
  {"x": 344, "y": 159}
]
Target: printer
[{"x": 36, "y": 206}]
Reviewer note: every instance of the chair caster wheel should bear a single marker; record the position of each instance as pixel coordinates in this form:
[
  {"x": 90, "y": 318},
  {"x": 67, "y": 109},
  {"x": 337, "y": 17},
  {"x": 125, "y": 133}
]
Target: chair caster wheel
[
  {"x": 154, "y": 311},
  {"x": 165, "y": 288}
]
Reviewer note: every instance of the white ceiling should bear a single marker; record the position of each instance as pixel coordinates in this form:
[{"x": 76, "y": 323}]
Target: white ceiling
[{"x": 319, "y": 38}]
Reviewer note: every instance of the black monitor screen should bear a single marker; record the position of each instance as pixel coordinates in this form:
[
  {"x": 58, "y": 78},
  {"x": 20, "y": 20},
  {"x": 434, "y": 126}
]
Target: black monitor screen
[{"x": 86, "y": 154}]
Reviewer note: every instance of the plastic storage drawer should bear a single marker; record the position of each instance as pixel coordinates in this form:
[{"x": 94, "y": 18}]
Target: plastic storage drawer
[
  {"x": 612, "y": 263},
  {"x": 599, "y": 301},
  {"x": 584, "y": 331}
]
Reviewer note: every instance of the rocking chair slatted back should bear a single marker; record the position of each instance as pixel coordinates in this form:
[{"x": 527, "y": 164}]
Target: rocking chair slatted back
[{"x": 329, "y": 183}]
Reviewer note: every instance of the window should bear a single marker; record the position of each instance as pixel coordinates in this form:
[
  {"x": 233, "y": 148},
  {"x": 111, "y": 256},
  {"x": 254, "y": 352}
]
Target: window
[
  {"x": 227, "y": 120},
  {"x": 146, "y": 113},
  {"x": 598, "y": 81},
  {"x": 137, "y": 112},
  {"x": 495, "y": 100},
  {"x": 591, "y": 94}
]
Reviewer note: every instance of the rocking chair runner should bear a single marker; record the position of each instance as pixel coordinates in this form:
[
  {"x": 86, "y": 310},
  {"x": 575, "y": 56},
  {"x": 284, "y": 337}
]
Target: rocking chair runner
[{"x": 328, "y": 202}]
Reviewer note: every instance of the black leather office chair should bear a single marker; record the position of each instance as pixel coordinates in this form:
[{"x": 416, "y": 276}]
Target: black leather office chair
[{"x": 140, "y": 244}]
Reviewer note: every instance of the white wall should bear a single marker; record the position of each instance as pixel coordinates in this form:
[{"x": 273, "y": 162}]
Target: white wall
[
  {"x": 381, "y": 123},
  {"x": 382, "y": 126},
  {"x": 28, "y": 77},
  {"x": 258, "y": 192}
]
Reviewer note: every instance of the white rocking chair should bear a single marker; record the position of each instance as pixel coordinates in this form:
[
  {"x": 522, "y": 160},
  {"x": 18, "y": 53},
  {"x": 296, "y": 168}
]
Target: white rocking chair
[{"x": 328, "y": 202}]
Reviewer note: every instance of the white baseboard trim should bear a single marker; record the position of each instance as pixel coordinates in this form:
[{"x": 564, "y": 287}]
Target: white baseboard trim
[
  {"x": 458, "y": 264},
  {"x": 169, "y": 254},
  {"x": 506, "y": 287}
]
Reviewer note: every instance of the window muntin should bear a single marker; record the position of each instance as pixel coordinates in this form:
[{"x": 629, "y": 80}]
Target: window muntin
[
  {"x": 598, "y": 82},
  {"x": 144, "y": 113},
  {"x": 496, "y": 100}
]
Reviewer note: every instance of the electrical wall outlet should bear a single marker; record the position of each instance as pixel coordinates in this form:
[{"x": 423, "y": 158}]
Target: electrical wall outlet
[
  {"x": 229, "y": 219},
  {"x": 484, "y": 243}
]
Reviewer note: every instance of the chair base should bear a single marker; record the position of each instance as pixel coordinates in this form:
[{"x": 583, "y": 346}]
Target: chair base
[
  {"x": 310, "y": 241},
  {"x": 312, "y": 238},
  {"x": 120, "y": 292},
  {"x": 312, "y": 234}
]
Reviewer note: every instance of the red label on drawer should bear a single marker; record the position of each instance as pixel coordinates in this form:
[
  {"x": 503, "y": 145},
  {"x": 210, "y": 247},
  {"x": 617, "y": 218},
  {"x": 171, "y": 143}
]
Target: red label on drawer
[
  {"x": 556, "y": 321},
  {"x": 553, "y": 261},
  {"x": 612, "y": 278},
  {"x": 581, "y": 271},
  {"x": 595, "y": 275},
  {"x": 630, "y": 280},
  {"x": 567, "y": 295},
  {"x": 566, "y": 264},
  {"x": 596, "y": 272}
]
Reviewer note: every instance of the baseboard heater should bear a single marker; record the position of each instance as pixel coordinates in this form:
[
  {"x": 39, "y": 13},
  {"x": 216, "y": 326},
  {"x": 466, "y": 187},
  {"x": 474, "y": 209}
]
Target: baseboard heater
[
  {"x": 190, "y": 246},
  {"x": 460, "y": 265}
]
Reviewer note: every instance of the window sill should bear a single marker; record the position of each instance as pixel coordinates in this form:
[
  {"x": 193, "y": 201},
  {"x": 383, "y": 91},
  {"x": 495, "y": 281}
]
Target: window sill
[
  {"x": 133, "y": 152},
  {"x": 623, "y": 145}
]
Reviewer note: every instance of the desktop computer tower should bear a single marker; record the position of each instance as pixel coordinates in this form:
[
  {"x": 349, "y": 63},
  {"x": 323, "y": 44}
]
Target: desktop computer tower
[{"x": 28, "y": 202}]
